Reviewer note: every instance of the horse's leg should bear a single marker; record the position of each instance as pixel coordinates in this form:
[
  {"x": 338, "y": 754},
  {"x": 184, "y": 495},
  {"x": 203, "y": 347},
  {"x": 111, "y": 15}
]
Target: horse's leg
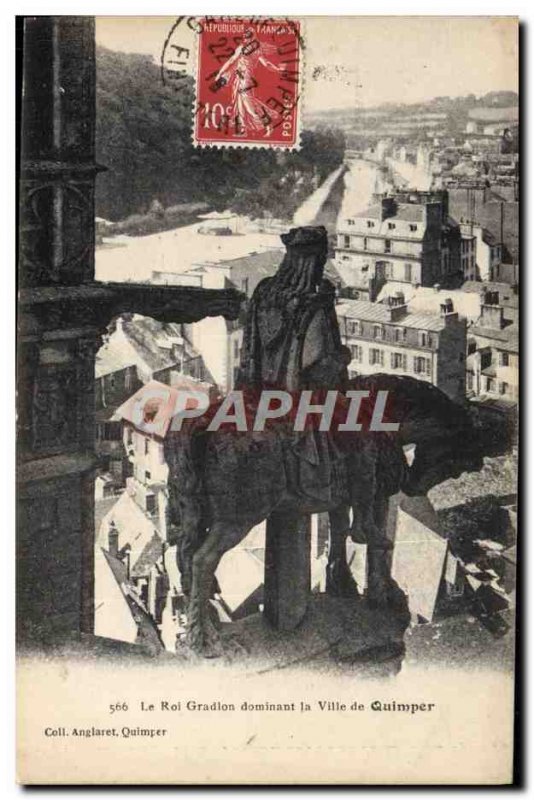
[
  {"x": 339, "y": 580},
  {"x": 382, "y": 590},
  {"x": 202, "y": 636}
]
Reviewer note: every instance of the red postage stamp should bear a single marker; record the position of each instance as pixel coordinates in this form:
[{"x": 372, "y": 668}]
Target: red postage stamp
[{"x": 248, "y": 83}]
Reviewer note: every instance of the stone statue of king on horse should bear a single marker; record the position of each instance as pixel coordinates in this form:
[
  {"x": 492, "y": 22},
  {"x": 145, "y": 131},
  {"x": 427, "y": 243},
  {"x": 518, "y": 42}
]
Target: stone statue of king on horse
[{"x": 222, "y": 483}]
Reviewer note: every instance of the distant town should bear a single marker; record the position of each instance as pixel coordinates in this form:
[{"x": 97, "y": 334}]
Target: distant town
[{"x": 422, "y": 216}]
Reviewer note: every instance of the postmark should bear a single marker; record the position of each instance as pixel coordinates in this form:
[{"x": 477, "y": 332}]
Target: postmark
[{"x": 248, "y": 79}]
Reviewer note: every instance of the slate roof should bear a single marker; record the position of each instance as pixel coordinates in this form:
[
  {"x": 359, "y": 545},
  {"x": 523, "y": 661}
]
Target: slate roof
[
  {"x": 377, "y": 312},
  {"x": 112, "y": 358},
  {"x": 151, "y": 553},
  {"x": 507, "y": 297},
  {"x": 408, "y": 212},
  {"x": 505, "y": 339},
  {"x": 146, "y": 627}
]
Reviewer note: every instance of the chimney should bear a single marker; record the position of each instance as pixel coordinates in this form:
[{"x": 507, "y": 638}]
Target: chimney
[
  {"x": 491, "y": 312},
  {"x": 389, "y": 208},
  {"x": 397, "y": 306},
  {"x": 446, "y": 307},
  {"x": 447, "y": 312},
  {"x": 113, "y": 540}
]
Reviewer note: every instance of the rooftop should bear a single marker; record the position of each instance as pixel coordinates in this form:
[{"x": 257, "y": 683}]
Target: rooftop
[
  {"x": 163, "y": 398},
  {"x": 408, "y": 212},
  {"x": 503, "y": 339},
  {"x": 378, "y": 312},
  {"x": 507, "y": 296}
]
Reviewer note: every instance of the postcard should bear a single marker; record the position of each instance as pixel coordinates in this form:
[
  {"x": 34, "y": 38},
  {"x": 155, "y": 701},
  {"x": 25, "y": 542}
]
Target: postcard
[{"x": 268, "y": 391}]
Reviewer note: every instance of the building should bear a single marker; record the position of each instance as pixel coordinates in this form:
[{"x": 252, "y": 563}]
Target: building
[
  {"x": 481, "y": 253},
  {"x": 493, "y": 353},
  {"x": 120, "y": 612},
  {"x": 492, "y": 120},
  {"x": 136, "y": 350},
  {"x": 492, "y": 208},
  {"x": 135, "y": 549},
  {"x": 408, "y": 237},
  {"x": 387, "y": 337}
]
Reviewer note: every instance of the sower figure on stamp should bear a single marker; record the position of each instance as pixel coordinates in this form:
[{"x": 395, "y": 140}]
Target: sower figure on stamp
[{"x": 292, "y": 342}]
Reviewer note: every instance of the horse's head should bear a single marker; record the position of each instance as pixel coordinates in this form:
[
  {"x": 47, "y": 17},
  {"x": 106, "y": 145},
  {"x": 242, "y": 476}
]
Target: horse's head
[
  {"x": 443, "y": 431},
  {"x": 437, "y": 460}
]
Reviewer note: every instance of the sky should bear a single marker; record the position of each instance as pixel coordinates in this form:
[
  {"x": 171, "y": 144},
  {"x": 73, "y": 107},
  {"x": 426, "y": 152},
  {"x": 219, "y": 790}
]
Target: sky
[{"x": 365, "y": 61}]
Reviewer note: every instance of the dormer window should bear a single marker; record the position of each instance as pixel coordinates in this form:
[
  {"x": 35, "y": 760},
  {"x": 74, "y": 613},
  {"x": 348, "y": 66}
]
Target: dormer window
[
  {"x": 350, "y": 222},
  {"x": 355, "y": 327},
  {"x": 370, "y": 224},
  {"x": 391, "y": 226},
  {"x": 378, "y": 331},
  {"x": 413, "y": 228}
]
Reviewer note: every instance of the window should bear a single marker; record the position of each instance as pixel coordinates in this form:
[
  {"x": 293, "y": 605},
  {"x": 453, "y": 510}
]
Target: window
[
  {"x": 388, "y": 270},
  {"x": 398, "y": 361},
  {"x": 413, "y": 228},
  {"x": 128, "y": 379},
  {"x": 345, "y": 258},
  {"x": 346, "y": 241},
  {"x": 355, "y": 327},
  {"x": 421, "y": 366},
  {"x": 365, "y": 242},
  {"x": 356, "y": 352},
  {"x": 391, "y": 226},
  {"x": 490, "y": 385},
  {"x": 147, "y": 446},
  {"x": 424, "y": 339},
  {"x": 350, "y": 222},
  {"x": 504, "y": 388},
  {"x": 387, "y": 245},
  {"x": 504, "y": 359},
  {"x": 148, "y": 476},
  {"x": 236, "y": 349},
  {"x": 376, "y": 356},
  {"x": 378, "y": 331},
  {"x": 370, "y": 224},
  {"x": 407, "y": 272},
  {"x": 398, "y": 334},
  {"x": 244, "y": 285},
  {"x": 150, "y": 503},
  {"x": 129, "y": 436}
]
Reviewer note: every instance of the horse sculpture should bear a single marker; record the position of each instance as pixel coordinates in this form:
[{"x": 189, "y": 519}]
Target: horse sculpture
[{"x": 224, "y": 483}]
